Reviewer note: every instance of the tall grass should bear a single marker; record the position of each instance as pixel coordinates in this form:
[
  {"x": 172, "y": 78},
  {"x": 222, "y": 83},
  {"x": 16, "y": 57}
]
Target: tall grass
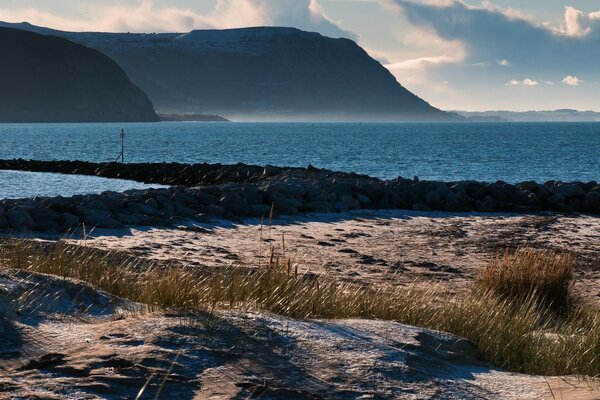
[
  {"x": 526, "y": 273},
  {"x": 516, "y": 333}
]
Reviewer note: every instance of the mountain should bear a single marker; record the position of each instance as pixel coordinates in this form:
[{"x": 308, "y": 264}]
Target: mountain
[
  {"x": 50, "y": 79},
  {"x": 258, "y": 73},
  {"x": 561, "y": 115}
]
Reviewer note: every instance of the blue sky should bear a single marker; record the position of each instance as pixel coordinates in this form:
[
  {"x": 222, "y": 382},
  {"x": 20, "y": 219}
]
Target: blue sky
[{"x": 456, "y": 54}]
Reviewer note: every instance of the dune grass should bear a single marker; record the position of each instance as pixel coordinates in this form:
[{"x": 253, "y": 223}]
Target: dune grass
[
  {"x": 548, "y": 276},
  {"x": 513, "y": 329}
]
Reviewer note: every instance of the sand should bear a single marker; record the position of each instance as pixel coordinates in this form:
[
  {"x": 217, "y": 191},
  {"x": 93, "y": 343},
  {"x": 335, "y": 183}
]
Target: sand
[{"x": 372, "y": 247}]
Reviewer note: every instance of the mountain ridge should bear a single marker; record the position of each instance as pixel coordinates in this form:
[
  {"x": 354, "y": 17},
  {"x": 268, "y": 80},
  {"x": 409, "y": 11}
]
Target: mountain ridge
[
  {"x": 50, "y": 79},
  {"x": 258, "y": 73}
]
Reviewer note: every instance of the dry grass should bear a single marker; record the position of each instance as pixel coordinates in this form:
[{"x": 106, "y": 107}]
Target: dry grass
[
  {"x": 525, "y": 273},
  {"x": 515, "y": 335}
]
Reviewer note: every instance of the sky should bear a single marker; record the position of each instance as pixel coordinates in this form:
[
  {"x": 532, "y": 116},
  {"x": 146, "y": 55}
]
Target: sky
[{"x": 456, "y": 54}]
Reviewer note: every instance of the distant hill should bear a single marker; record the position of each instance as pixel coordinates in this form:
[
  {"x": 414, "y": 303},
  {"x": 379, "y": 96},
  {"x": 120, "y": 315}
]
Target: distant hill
[
  {"x": 191, "y": 118},
  {"x": 561, "y": 115},
  {"x": 259, "y": 73},
  {"x": 50, "y": 79}
]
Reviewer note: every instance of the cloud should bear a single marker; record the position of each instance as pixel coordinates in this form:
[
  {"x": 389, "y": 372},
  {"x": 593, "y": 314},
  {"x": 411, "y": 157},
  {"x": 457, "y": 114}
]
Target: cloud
[
  {"x": 154, "y": 16},
  {"x": 571, "y": 80},
  {"x": 504, "y": 63},
  {"x": 488, "y": 33},
  {"x": 524, "y": 82}
]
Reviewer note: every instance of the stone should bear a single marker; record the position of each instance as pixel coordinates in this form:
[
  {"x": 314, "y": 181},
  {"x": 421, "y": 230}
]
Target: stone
[
  {"x": 102, "y": 220},
  {"x": 181, "y": 210},
  {"x": 285, "y": 204},
  {"x": 166, "y": 205},
  {"x": 142, "y": 208},
  {"x": 20, "y": 220},
  {"x": 97, "y": 204},
  {"x": 350, "y": 202},
  {"x": 3, "y": 222},
  {"x": 364, "y": 200},
  {"x": 70, "y": 221},
  {"x": 591, "y": 202},
  {"x": 566, "y": 190}
]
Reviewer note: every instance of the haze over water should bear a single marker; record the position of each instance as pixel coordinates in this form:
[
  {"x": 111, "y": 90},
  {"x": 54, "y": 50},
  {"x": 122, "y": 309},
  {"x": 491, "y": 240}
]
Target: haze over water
[{"x": 512, "y": 152}]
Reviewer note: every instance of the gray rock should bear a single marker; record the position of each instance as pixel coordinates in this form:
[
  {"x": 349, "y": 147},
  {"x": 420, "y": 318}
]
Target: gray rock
[
  {"x": 591, "y": 202},
  {"x": 144, "y": 209},
  {"x": 20, "y": 220},
  {"x": 350, "y": 202},
  {"x": 285, "y": 204},
  {"x": 567, "y": 190},
  {"x": 152, "y": 203},
  {"x": 250, "y": 193},
  {"x": 166, "y": 205},
  {"x": 40, "y": 215},
  {"x": 129, "y": 218},
  {"x": 114, "y": 201},
  {"x": 70, "y": 221},
  {"x": 232, "y": 202},
  {"x": 181, "y": 210},
  {"x": 3, "y": 222},
  {"x": 61, "y": 203},
  {"x": 364, "y": 200},
  {"x": 96, "y": 204},
  {"x": 102, "y": 220}
]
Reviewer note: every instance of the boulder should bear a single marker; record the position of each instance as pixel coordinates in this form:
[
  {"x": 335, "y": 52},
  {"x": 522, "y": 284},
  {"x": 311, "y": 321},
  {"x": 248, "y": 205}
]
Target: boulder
[
  {"x": 102, "y": 220},
  {"x": 350, "y": 202},
  {"x": 143, "y": 209},
  {"x": 591, "y": 202},
  {"x": 181, "y": 210},
  {"x": 20, "y": 220},
  {"x": 70, "y": 221},
  {"x": 566, "y": 190}
]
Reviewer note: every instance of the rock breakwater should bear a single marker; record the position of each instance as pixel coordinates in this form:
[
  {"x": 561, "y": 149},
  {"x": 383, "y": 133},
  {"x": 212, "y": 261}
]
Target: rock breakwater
[{"x": 202, "y": 191}]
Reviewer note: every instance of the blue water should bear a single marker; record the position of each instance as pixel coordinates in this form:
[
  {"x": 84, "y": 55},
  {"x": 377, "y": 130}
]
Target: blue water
[
  {"x": 20, "y": 184},
  {"x": 443, "y": 151}
]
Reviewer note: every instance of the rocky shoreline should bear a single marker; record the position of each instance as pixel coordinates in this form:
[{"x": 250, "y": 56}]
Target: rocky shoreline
[{"x": 235, "y": 191}]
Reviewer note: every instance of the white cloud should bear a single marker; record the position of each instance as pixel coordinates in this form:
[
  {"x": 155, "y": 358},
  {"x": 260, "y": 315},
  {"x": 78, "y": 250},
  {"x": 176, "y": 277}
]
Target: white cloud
[
  {"x": 154, "y": 16},
  {"x": 524, "y": 82},
  {"x": 509, "y": 12},
  {"x": 504, "y": 63},
  {"x": 571, "y": 80},
  {"x": 574, "y": 20}
]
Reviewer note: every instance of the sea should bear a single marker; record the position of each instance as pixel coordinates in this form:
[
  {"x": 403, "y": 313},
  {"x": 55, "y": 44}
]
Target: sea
[{"x": 511, "y": 152}]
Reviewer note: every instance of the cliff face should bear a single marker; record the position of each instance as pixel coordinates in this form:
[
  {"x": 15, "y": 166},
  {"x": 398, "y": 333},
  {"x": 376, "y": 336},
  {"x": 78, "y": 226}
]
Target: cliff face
[
  {"x": 50, "y": 79},
  {"x": 259, "y": 72}
]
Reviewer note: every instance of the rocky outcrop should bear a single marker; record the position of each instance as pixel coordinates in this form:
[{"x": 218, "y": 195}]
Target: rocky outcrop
[
  {"x": 236, "y": 191},
  {"x": 50, "y": 79}
]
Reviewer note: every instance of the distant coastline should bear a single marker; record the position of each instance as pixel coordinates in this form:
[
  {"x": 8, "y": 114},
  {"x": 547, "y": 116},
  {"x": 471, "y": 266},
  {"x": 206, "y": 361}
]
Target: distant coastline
[
  {"x": 191, "y": 118},
  {"x": 560, "y": 115}
]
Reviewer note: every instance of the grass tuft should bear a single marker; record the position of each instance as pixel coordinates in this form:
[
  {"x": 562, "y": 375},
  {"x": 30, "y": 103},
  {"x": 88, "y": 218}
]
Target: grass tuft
[{"x": 527, "y": 273}]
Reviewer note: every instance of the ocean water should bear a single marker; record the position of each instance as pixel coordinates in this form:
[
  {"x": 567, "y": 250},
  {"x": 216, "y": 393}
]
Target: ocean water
[
  {"x": 511, "y": 152},
  {"x": 20, "y": 184}
]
